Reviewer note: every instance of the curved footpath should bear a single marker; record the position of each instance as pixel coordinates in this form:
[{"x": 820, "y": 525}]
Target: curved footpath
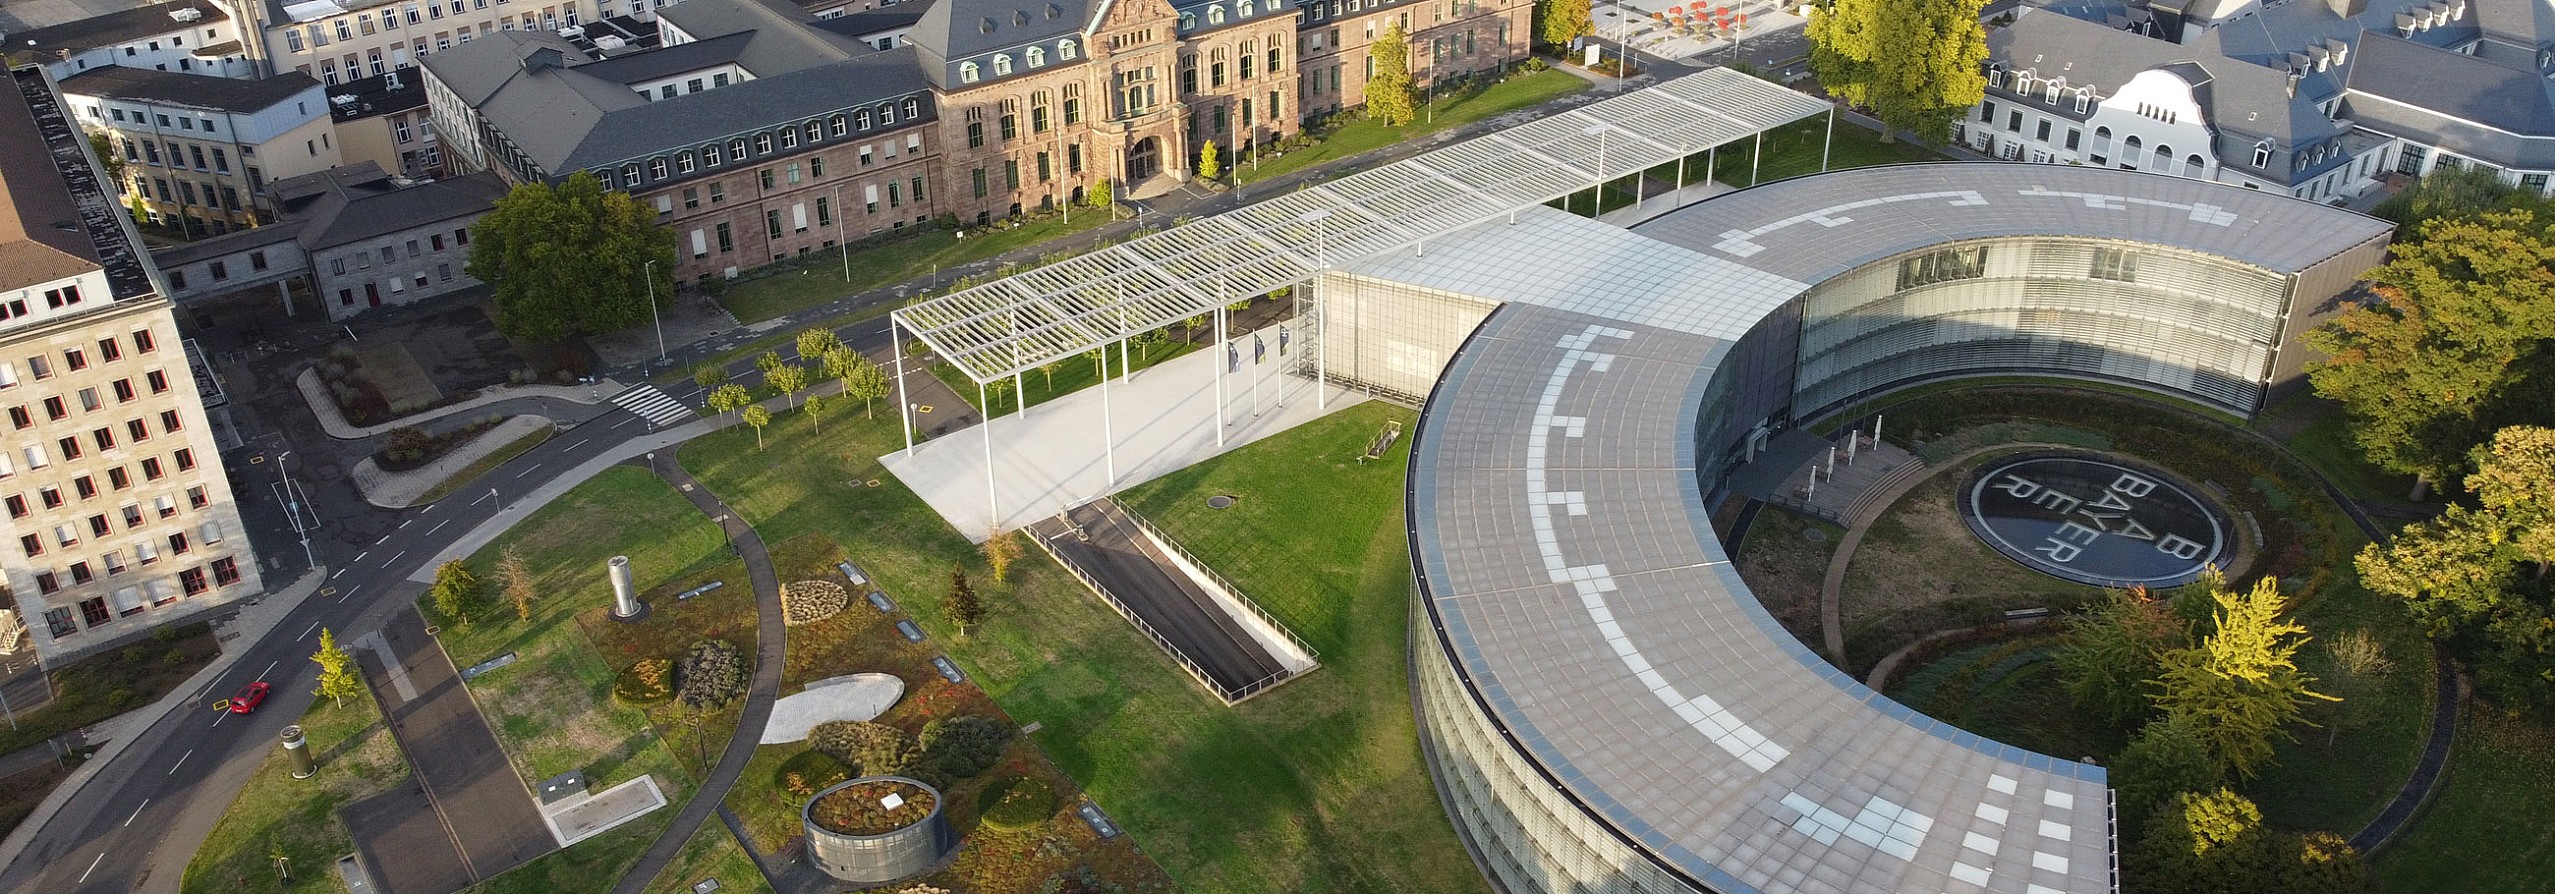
[
  {"x": 2428, "y": 770},
  {"x": 769, "y": 641}
]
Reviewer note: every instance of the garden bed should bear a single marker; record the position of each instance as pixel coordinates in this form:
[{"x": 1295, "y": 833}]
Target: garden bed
[
  {"x": 873, "y": 807},
  {"x": 410, "y": 447}
]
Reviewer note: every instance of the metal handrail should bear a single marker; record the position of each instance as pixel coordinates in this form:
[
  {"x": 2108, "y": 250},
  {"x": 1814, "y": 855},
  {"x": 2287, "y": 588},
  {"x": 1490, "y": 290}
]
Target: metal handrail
[{"x": 1219, "y": 579}]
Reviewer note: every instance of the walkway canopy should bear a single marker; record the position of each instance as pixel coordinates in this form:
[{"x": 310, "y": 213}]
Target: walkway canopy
[{"x": 1023, "y": 321}]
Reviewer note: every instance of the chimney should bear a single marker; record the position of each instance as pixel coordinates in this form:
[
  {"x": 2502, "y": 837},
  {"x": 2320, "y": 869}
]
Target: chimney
[
  {"x": 2294, "y": 78},
  {"x": 545, "y": 57},
  {"x": 2348, "y": 8}
]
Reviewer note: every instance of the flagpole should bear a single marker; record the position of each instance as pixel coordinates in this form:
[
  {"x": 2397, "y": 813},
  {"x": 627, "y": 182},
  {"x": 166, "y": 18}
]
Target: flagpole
[{"x": 1223, "y": 297}]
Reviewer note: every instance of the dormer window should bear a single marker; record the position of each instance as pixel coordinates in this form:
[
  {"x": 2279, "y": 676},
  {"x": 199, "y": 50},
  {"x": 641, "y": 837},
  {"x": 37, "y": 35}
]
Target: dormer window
[
  {"x": 762, "y": 144},
  {"x": 736, "y": 149},
  {"x": 1065, "y": 50},
  {"x": 860, "y": 118},
  {"x": 1215, "y": 14},
  {"x": 710, "y": 155},
  {"x": 1246, "y": 9},
  {"x": 2262, "y": 155},
  {"x": 2050, "y": 94},
  {"x": 1020, "y": 17},
  {"x": 968, "y": 73},
  {"x": 985, "y": 26},
  {"x": 1996, "y": 74},
  {"x": 1188, "y": 22},
  {"x": 913, "y": 108},
  {"x": 1055, "y": 12},
  {"x": 1002, "y": 64},
  {"x": 2084, "y": 99},
  {"x": 887, "y": 114},
  {"x": 1037, "y": 56}
]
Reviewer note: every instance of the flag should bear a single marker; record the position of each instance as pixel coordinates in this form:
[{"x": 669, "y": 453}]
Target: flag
[
  {"x": 1281, "y": 341},
  {"x": 1232, "y": 358},
  {"x": 1259, "y": 348}
]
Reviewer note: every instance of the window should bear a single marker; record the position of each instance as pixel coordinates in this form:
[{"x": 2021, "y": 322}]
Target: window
[
  {"x": 2262, "y": 154},
  {"x": 968, "y": 73},
  {"x": 1037, "y": 56},
  {"x": 975, "y": 134},
  {"x": 169, "y": 421},
  {"x": 70, "y": 449},
  {"x": 118, "y": 478},
  {"x": 123, "y": 390},
  {"x": 75, "y": 359},
  {"x": 765, "y": 175},
  {"x": 1002, "y": 64},
  {"x": 2119, "y": 264},
  {"x": 226, "y": 571},
  {"x": 52, "y": 497},
  {"x": 718, "y": 192},
  {"x": 85, "y": 486},
  {"x": 146, "y": 552},
  {"x": 103, "y": 437},
  {"x": 100, "y": 527},
  {"x": 2074, "y": 136},
  {"x": 185, "y": 460},
  {"x": 151, "y": 469},
  {"x": 178, "y": 544},
  {"x": 1942, "y": 265},
  {"x": 32, "y": 544},
  {"x": 56, "y": 408},
  {"x": 18, "y": 506},
  {"x": 192, "y": 580},
  {"x": 978, "y": 176},
  {"x": 727, "y": 239},
  {"x": 19, "y": 417},
  {"x": 211, "y": 532},
  {"x": 1065, "y": 49},
  {"x": 772, "y": 223},
  {"x": 159, "y": 381}
]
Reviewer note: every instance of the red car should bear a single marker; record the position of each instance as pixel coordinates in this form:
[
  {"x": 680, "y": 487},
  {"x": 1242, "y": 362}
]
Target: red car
[{"x": 248, "y": 698}]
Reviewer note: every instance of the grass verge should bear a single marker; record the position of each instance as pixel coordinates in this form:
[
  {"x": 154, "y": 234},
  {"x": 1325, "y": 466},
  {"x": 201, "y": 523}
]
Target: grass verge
[
  {"x": 820, "y": 278},
  {"x": 1796, "y": 149},
  {"x": 1454, "y": 108},
  {"x": 276, "y": 814},
  {"x": 471, "y": 472},
  {"x": 2486, "y": 829},
  {"x": 1316, "y": 787},
  {"x": 101, "y": 686},
  {"x": 711, "y": 854}
]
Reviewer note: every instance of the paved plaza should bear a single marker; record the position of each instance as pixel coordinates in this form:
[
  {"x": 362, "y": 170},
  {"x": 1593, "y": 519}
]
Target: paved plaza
[{"x": 1057, "y": 456}]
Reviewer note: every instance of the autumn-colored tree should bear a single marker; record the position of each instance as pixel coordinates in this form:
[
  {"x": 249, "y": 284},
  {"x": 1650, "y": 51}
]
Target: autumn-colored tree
[
  {"x": 1388, "y": 91},
  {"x": 788, "y": 380},
  {"x": 1209, "y": 165},
  {"x": 815, "y": 341},
  {"x": 337, "y": 678},
  {"x": 863, "y": 379},
  {"x": 2240, "y": 689},
  {"x": 814, "y": 408},
  {"x": 1917, "y": 64},
  {"x": 2515, "y": 480},
  {"x": 2452, "y": 350},
  {"x": 1559, "y": 23},
  {"x": 730, "y": 396},
  {"x": 514, "y": 575},
  {"x": 2113, "y": 651},
  {"x": 1001, "y": 549},
  {"x": 455, "y": 591},
  {"x": 758, "y": 417}
]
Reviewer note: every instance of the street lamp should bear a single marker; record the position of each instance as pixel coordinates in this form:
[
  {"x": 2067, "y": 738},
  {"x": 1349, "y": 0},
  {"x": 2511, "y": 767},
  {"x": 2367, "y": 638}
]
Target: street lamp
[
  {"x": 293, "y": 509},
  {"x": 649, "y": 273}
]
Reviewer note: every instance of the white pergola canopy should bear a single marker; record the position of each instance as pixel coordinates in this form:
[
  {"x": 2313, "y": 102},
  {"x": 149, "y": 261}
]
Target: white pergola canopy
[{"x": 1023, "y": 321}]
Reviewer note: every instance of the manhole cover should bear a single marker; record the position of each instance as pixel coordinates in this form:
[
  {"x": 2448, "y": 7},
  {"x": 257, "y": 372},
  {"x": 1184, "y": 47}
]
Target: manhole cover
[
  {"x": 1220, "y": 501},
  {"x": 1814, "y": 535}
]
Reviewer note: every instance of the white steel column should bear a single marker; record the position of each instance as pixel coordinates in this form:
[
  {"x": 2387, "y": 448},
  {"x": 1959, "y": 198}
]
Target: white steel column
[
  {"x": 904, "y": 410},
  {"x": 1756, "y": 160},
  {"x": 986, "y": 422},
  {"x": 1108, "y": 436},
  {"x": 1826, "y": 148},
  {"x": 1221, "y": 349}
]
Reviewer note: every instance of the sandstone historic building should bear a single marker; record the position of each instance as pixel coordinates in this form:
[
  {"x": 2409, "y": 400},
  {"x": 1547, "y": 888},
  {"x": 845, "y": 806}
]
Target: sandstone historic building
[{"x": 760, "y": 131}]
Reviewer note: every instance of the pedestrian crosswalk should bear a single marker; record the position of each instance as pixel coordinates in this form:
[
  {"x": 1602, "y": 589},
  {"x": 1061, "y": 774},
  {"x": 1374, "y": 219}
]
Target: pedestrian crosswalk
[{"x": 653, "y": 405}]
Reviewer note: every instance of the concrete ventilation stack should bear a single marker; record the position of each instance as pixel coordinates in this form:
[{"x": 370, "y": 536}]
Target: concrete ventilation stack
[
  {"x": 299, "y": 749},
  {"x": 625, "y": 596}
]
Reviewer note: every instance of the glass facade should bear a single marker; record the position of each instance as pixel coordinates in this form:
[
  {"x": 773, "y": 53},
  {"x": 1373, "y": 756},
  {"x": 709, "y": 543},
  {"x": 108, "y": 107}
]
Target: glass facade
[{"x": 1385, "y": 338}]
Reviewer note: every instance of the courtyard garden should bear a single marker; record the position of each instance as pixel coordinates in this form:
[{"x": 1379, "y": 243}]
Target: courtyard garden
[{"x": 1308, "y": 788}]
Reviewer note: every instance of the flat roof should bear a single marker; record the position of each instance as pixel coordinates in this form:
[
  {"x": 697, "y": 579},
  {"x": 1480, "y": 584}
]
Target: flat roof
[
  {"x": 1060, "y": 310},
  {"x": 1571, "y": 571},
  {"x": 194, "y": 91}
]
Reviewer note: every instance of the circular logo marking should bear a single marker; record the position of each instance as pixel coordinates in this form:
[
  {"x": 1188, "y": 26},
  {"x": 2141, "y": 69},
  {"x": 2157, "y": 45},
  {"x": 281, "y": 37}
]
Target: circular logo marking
[{"x": 2094, "y": 521}]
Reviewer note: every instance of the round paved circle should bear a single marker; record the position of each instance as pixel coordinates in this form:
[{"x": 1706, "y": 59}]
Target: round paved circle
[
  {"x": 1220, "y": 501},
  {"x": 2095, "y": 521}
]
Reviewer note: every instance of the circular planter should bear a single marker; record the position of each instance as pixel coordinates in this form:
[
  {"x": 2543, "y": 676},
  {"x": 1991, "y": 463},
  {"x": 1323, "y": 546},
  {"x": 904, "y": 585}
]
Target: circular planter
[{"x": 863, "y": 855}]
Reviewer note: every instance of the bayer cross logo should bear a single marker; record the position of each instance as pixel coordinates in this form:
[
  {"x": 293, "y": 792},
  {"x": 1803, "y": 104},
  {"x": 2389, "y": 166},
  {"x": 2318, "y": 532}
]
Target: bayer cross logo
[{"x": 2094, "y": 521}]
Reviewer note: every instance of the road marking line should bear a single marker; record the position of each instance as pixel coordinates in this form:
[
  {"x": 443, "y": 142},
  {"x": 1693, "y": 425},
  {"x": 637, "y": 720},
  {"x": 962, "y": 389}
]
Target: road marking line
[
  {"x": 579, "y": 444},
  {"x": 306, "y": 632},
  {"x": 222, "y": 716},
  {"x": 404, "y": 525},
  {"x": 181, "y": 761},
  {"x": 334, "y": 576},
  {"x": 93, "y": 867},
  {"x": 438, "y": 527},
  {"x": 137, "y": 814},
  {"x": 360, "y": 556},
  {"x": 270, "y": 668},
  {"x": 527, "y": 470},
  {"x": 617, "y": 425},
  {"x": 394, "y": 558},
  {"x": 350, "y": 591}
]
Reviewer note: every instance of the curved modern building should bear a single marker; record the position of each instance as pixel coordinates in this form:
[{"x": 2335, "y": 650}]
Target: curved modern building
[{"x": 1607, "y": 707}]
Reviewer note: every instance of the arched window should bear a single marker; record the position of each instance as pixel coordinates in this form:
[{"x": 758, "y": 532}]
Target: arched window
[
  {"x": 2132, "y": 144},
  {"x": 2262, "y": 154},
  {"x": 1215, "y": 14},
  {"x": 2164, "y": 156},
  {"x": 1215, "y": 67},
  {"x": 968, "y": 73},
  {"x": 2084, "y": 98},
  {"x": 1037, "y": 56},
  {"x": 1002, "y": 64},
  {"x": 2102, "y": 133},
  {"x": 1188, "y": 22},
  {"x": 1065, "y": 50},
  {"x": 1246, "y": 9},
  {"x": 2194, "y": 164}
]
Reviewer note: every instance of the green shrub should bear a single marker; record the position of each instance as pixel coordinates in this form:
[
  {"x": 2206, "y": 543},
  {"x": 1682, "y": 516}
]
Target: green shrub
[
  {"x": 119, "y": 698},
  {"x": 174, "y": 657},
  {"x": 869, "y": 749},
  {"x": 965, "y": 745},
  {"x": 712, "y": 674},
  {"x": 645, "y": 682},
  {"x": 1017, "y": 803},
  {"x": 808, "y": 772}
]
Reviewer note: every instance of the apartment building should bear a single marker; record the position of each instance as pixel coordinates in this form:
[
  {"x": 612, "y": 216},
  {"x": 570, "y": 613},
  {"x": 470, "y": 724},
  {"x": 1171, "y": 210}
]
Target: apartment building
[
  {"x": 336, "y": 41},
  {"x": 186, "y": 36},
  {"x": 197, "y": 152},
  {"x": 384, "y": 120},
  {"x": 109, "y": 475}
]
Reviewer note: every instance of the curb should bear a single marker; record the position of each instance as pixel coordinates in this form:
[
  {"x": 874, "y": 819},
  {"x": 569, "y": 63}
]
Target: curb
[
  {"x": 284, "y": 601},
  {"x": 402, "y": 490}
]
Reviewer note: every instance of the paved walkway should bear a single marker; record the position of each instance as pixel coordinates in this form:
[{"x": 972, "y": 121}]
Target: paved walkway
[
  {"x": 334, "y": 420},
  {"x": 1058, "y": 455},
  {"x": 770, "y": 641}
]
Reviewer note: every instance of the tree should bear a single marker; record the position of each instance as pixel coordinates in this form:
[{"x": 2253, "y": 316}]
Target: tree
[
  {"x": 337, "y": 679},
  {"x": 758, "y": 417},
  {"x": 1917, "y": 64},
  {"x": 2112, "y": 652},
  {"x": 2163, "y": 760},
  {"x": 960, "y": 603},
  {"x": 515, "y": 576},
  {"x": 1388, "y": 93},
  {"x": 1560, "y": 23},
  {"x": 995, "y": 391},
  {"x": 1208, "y": 164},
  {"x": 729, "y": 397},
  {"x": 456, "y": 591},
  {"x": 1101, "y": 195},
  {"x": 2453, "y": 348},
  {"x": 2214, "y": 843},
  {"x": 769, "y": 361},
  {"x": 2448, "y": 570},
  {"x": 104, "y": 146},
  {"x": 786, "y": 379},
  {"x": 1049, "y": 369},
  {"x": 814, "y": 404},
  {"x": 863, "y": 379},
  {"x": 570, "y": 260},
  {"x": 708, "y": 376},
  {"x": 1000, "y": 550},
  {"x": 2455, "y": 192},
  {"x": 816, "y": 341},
  {"x": 1147, "y": 339},
  {"x": 2241, "y": 687},
  {"x": 2515, "y": 480}
]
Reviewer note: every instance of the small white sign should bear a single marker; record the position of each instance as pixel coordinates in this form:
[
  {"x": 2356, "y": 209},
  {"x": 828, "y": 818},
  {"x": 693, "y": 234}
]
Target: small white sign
[
  {"x": 892, "y": 801},
  {"x": 1596, "y": 54}
]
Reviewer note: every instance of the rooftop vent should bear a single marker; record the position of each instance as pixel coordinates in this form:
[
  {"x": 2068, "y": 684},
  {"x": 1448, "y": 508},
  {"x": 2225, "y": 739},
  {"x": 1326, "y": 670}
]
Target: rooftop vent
[
  {"x": 1055, "y": 12},
  {"x": 189, "y": 14},
  {"x": 1020, "y": 17},
  {"x": 985, "y": 26}
]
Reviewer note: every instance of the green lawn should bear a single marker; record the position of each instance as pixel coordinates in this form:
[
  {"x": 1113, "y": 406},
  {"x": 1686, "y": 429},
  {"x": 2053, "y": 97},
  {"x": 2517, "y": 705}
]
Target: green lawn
[
  {"x": 1455, "y": 107},
  {"x": 711, "y": 854},
  {"x": 1794, "y": 150},
  {"x": 1317, "y": 786},
  {"x": 593, "y": 865},
  {"x": 2326, "y": 443},
  {"x": 470, "y": 473},
  {"x": 890, "y": 261},
  {"x": 2487, "y": 830},
  {"x": 102, "y": 686},
  {"x": 297, "y": 817},
  {"x": 1072, "y": 374}
]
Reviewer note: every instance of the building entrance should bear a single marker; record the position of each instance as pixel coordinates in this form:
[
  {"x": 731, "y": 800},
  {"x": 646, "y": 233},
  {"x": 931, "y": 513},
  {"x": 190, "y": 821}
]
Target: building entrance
[{"x": 1144, "y": 160}]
